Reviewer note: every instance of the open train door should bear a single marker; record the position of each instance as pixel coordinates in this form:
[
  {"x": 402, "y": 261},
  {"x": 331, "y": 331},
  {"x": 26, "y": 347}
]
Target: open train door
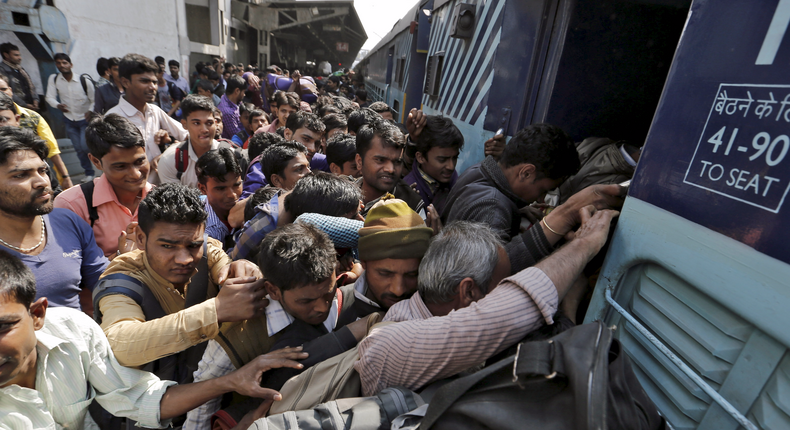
[{"x": 696, "y": 279}]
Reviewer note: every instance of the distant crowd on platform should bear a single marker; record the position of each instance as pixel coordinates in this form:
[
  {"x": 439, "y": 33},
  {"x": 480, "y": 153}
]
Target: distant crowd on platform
[{"x": 233, "y": 229}]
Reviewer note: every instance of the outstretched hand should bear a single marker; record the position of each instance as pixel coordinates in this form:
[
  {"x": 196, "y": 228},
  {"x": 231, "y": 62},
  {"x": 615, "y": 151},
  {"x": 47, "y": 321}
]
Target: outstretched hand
[
  {"x": 594, "y": 230},
  {"x": 247, "y": 380},
  {"x": 415, "y": 122}
]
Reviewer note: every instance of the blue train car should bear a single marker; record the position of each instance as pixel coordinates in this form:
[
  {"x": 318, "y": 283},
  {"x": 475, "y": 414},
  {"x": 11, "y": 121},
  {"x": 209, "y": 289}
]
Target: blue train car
[
  {"x": 594, "y": 68},
  {"x": 696, "y": 280}
]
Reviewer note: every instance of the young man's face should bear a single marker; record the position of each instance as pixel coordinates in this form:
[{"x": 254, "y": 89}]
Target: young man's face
[
  {"x": 173, "y": 250},
  {"x": 142, "y": 87},
  {"x": 201, "y": 127},
  {"x": 310, "y": 303},
  {"x": 310, "y": 139},
  {"x": 174, "y": 71},
  {"x": 219, "y": 126},
  {"x": 391, "y": 280},
  {"x": 8, "y": 118},
  {"x": 126, "y": 169},
  {"x": 296, "y": 169},
  {"x": 204, "y": 93},
  {"x": 226, "y": 75},
  {"x": 5, "y": 88},
  {"x": 18, "y": 326},
  {"x": 439, "y": 163},
  {"x": 283, "y": 112},
  {"x": 24, "y": 185},
  {"x": 257, "y": 122},
  {"x": 245, "y": 120},
  {"x": 381, "y": 167},
  {"x": 13, "y": 56},
  {"x": 63, "y": 66},
  {"x": 349, "y": 168},
  {"x": 330, "y": 134},
  {"x": 222, "y": 195},
  {"x": 114, "y": 72}
]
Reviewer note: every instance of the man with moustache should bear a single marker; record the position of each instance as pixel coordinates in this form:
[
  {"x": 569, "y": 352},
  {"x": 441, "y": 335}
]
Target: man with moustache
[{"x": 56, "y": 244}]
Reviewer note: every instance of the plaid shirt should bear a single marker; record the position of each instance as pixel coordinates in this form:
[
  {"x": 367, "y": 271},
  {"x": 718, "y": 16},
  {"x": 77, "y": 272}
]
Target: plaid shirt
[
  {"x": 343, "y": 232},
  {"x": 214, "y": 226},
  {"x": 230, "y": 117},
  {"x": 254, "y": 230}
]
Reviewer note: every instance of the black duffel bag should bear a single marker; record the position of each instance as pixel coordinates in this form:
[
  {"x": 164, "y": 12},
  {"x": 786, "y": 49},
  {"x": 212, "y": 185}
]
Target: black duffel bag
[{"x": 580, "y": 379}]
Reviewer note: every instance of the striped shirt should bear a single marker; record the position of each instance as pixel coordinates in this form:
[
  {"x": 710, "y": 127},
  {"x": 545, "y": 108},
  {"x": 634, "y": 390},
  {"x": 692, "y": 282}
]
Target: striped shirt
[
  {"x": 214, "y": 226},
  {"x": 252, "y": 233},
  {"x": 423, "y": 348},
  {"x": 76, "y": 365}
]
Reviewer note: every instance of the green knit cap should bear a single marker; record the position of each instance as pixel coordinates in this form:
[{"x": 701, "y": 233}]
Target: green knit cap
[{"x": 393, "y": 230}]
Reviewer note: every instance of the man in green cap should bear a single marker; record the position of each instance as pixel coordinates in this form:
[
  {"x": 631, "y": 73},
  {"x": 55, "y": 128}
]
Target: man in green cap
[{"x": 391, "y": 244}]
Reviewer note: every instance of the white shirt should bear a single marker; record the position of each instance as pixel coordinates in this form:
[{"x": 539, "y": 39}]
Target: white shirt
[
  {"x": 71, "y": 94},
  {"x": 149, "y": 122},
  {"x": 167, "y": 166},
  {"x": 75, "y": 365}
]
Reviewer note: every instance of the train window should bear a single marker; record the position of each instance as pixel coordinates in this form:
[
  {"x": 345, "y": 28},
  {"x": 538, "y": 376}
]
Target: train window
[
  {"x": 400, "y": 69},
  {"x": 433, "y": 74}
]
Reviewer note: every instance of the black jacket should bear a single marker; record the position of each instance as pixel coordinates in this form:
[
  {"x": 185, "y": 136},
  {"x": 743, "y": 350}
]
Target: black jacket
[{"x": 482, "y": 194}]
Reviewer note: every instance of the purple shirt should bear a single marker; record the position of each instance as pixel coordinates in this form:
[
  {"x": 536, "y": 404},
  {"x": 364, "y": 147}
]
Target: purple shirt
[{"x": 231, "y": 120}]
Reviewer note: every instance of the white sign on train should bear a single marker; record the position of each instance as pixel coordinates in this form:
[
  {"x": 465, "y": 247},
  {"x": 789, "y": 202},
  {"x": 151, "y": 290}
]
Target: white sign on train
[{"x": 743, "y": 150}]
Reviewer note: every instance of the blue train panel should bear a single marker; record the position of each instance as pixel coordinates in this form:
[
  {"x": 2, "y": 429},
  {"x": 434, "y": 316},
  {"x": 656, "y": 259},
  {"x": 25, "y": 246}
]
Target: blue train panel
[{"x": 717, "y": 152}]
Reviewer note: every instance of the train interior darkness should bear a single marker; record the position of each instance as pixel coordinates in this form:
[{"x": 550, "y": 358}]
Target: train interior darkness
[{"x": 613, "y": 62}]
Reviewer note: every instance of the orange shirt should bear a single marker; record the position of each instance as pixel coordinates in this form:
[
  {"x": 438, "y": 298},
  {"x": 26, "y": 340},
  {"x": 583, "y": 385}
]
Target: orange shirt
[{"x": 113, "y": 216}]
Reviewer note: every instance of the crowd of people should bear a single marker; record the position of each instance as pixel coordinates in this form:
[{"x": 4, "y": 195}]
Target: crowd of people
[{"x": 247, "y": 225}]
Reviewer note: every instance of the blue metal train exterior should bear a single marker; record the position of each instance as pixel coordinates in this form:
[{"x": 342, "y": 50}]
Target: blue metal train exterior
[{"x": 697, "y": 276}]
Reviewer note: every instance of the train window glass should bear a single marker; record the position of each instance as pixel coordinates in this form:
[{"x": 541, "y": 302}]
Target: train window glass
[
  {"x": 400, "y": 69},
  {"x": 21, "y": 19},
  {"x": 396, "y": 108},
  {"x": 433, "y": 74}
]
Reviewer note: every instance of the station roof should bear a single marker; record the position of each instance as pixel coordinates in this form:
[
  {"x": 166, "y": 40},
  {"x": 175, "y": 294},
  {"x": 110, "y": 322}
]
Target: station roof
[{"x": 323, "y": 27}]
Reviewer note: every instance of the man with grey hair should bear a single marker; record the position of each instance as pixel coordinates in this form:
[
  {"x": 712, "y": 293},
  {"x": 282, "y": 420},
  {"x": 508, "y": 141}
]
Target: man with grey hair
[{"x": 453, "y": 325}]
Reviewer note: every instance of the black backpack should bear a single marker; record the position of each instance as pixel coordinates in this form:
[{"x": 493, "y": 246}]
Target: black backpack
[{"x": 580, "y": 379}]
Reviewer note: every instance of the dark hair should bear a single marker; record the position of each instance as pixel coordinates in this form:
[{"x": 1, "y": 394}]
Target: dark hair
[
  {"x": 104, "y": 132},
  {"x": 302, "y": 119},
  {"x": 341, "y": 148},
  {"x": 439, "y": 132},
  {"x": 193, "y": 103},
  {"x": 17, "y": 281},
  {"x": 6, "y": 102},
  {"x": 199, "y": 66},
  {"x": 217, "y": 113},
  {"x": 323, "y": 193},
  {"x": 275, "y": 158},
  {"x": 174, "y": 63},
  {"x": 335, "y": 79},
  {"x": 245, "y": 108},
  {"x": 213, "y": 75},
  {"x": 379, "y": 107},
  {"x": 113, "y": 61},
  {"x": 217, "y": 163},
  {"x": 345, "y": 105},
  {"x": 333, "y": 121},
  {"x": 255, "y": 112},
  {"x": 260, "y": 196},
  {"x": 6, "y": 48},
  {"x": 361, "y": 117},
  {"x": 547, "y": 147},
  {"x": 228, "y": 66},
  {"x": 296, "y": 255},
  {"x": 61, "y": 56},
  {"x": 283, "y": 98},
  {"x": 362, "y": 94},
  {"x": 170, "y": 203},
  {"x": 204, "y": 85},
  {"x": 390, "y": 136},
  {"x": 136, "y": 64},
  {"x": 328, "y": 110},
  {"x": 159, "y": 59},
  {"x": 260, "y": 141},
  {"x": 14, "y": 139},
  {"x": 102, "y": 65},
  {"x": 233, "y": 83}
]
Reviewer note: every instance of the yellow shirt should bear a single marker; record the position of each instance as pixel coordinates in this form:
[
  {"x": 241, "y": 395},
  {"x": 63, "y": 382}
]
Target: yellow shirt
[
  {"x": 33, "y": 121},
  {"x": 136, "y": 341}
]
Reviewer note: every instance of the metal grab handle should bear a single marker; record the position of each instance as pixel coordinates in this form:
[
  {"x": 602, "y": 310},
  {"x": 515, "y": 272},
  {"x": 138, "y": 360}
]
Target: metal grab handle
[{"x": 727, "y": 406}]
